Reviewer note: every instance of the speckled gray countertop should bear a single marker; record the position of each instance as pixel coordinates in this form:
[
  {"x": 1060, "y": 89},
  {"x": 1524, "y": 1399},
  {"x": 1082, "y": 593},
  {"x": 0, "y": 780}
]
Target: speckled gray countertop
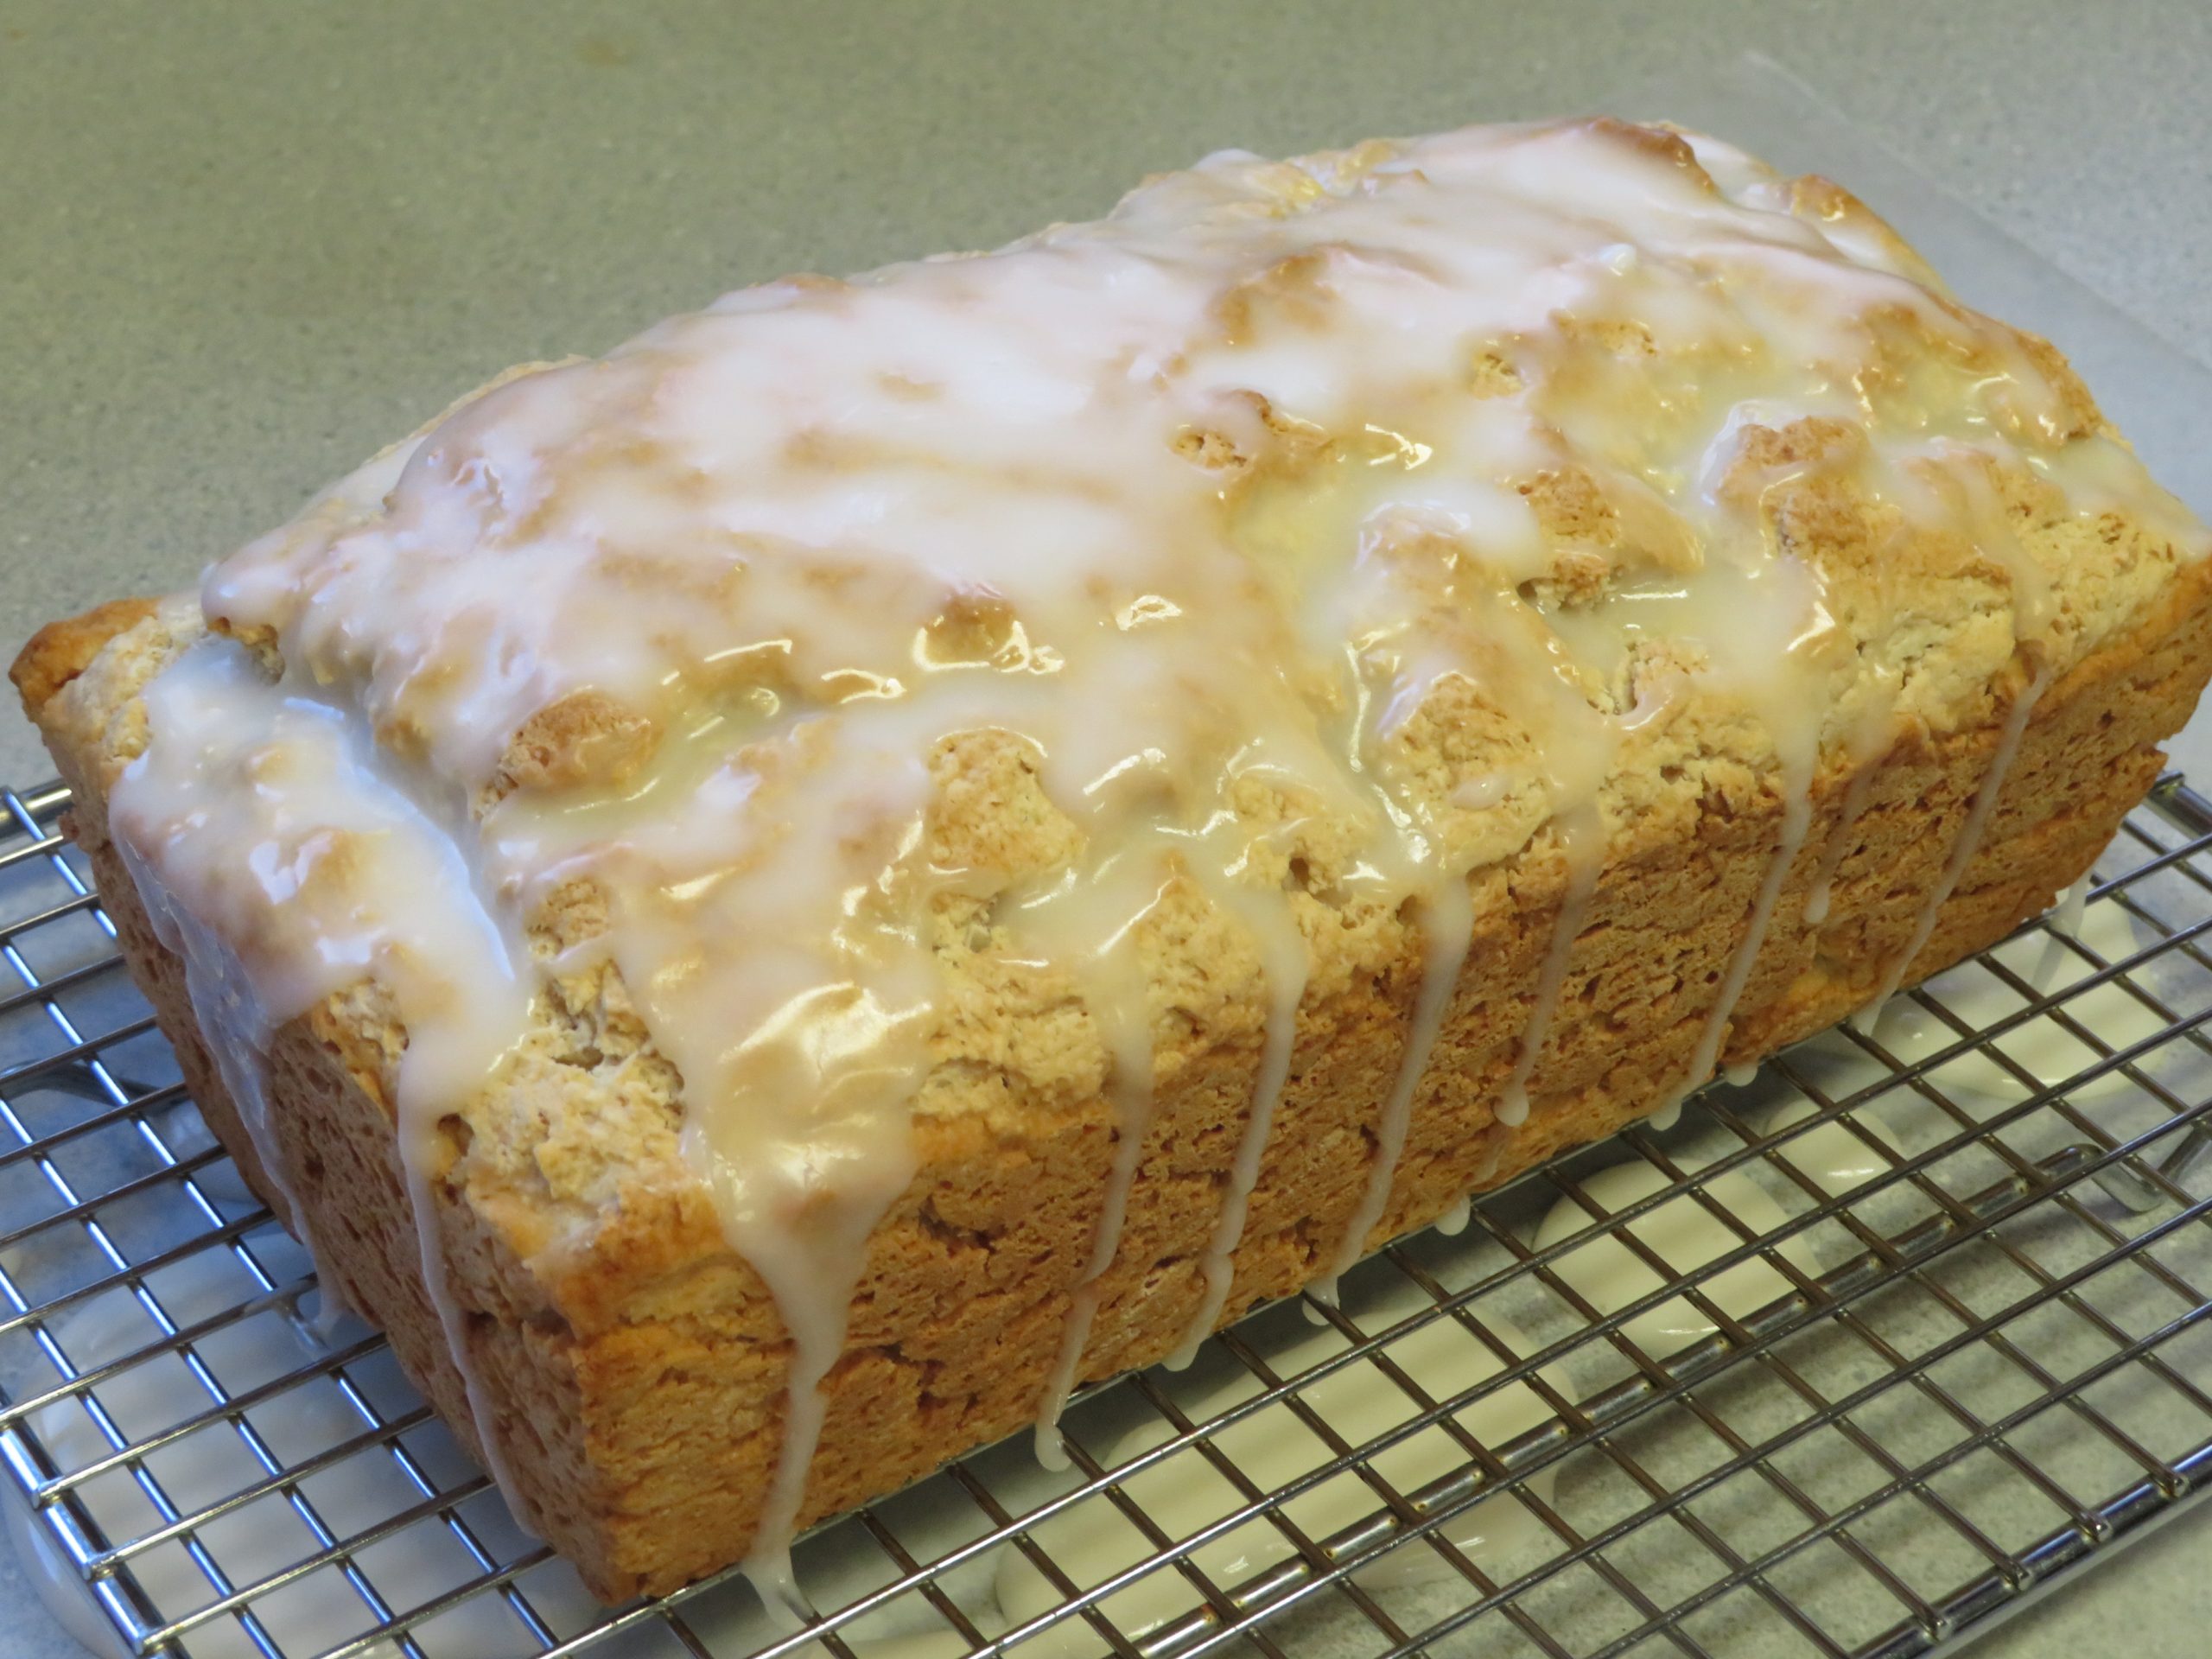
[{"x": 242, "y": 245}]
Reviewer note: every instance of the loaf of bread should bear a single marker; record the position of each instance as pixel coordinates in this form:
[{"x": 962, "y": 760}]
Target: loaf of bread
[{"x": 770, "y": 903}]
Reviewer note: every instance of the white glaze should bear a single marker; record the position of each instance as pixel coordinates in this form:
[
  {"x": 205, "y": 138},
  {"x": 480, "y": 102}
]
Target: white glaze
[
  {"x": 1284, "y": 950},
  {"x": 2066, "y": 915},
  {"x": 1963, "y": 846},
  {"x": 259, "y": 1538},
  {"x": 341, "y": 875},
  {"x": 1583, "y": 835},
  {"x": 1832, "y": 1155},
  {"x": 1867, "y": 744},
  {"x": 1685, "y": 1235},
  {"x": 229, "y": 1014},
  {"x": 2041, "y": 1048},
  {"x": 1819, "y": 895},
  {"x": 2063, "y": 923},
  {"x": 1091, "y": 1541},
  {"x": 1797, "y": 819},
  {"x": 2034, "y": 615},
  {"x": 743, "y": 534},
  {"x": 1128, "y": 1044},
  {"x": 1448, "y": 922},
  {"x": 57, "y": 1585}
]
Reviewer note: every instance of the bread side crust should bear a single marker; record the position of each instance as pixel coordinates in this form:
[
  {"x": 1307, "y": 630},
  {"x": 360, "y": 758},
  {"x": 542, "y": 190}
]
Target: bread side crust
[{"x": 636, "y": 1366}]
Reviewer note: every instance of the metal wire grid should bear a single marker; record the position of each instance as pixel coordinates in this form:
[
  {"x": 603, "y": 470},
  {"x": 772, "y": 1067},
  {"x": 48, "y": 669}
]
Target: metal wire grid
[{"x": 1971, "y": 1365}]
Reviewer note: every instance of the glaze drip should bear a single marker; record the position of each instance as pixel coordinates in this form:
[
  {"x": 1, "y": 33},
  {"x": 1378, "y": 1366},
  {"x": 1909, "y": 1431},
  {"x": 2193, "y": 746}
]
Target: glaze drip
[
  {"x": 1308, "y": 543},
  {"x": 330, "y": 872}
]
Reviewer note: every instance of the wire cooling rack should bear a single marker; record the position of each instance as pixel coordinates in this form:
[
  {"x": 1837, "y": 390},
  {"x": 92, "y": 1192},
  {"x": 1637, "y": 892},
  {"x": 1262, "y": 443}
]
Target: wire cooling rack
[{"x": 1845, "y": 1363}]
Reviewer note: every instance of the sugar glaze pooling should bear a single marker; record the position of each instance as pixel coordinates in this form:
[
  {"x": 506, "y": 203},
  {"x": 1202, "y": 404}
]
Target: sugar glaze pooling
[
  {"x": 1207, "y": 514},
  {"x": 345, "y": 877}
]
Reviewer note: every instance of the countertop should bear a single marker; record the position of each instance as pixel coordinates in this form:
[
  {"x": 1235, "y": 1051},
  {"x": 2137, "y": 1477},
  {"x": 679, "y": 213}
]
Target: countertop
[{"x": 242, "y": 245}]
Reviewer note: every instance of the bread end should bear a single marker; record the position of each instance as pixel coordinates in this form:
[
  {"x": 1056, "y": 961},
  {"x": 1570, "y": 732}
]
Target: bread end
[{"x": 62, "y": 651}]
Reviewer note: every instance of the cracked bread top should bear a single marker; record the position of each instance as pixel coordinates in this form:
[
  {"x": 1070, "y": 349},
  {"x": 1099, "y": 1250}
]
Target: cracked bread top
[{"x": 968, "y": 691}]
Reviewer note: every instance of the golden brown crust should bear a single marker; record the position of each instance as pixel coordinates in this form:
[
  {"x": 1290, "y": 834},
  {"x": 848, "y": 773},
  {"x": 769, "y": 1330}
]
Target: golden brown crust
[
  {"x": 584, "y": 739},
  {"x": 62, "y": 651},
  {"x": 633, "y": 1366},
  {"x": 636, "y": 1369}
]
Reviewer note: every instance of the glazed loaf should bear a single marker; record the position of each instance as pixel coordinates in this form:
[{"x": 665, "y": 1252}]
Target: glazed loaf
[{"x": 770, "y": 903}]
